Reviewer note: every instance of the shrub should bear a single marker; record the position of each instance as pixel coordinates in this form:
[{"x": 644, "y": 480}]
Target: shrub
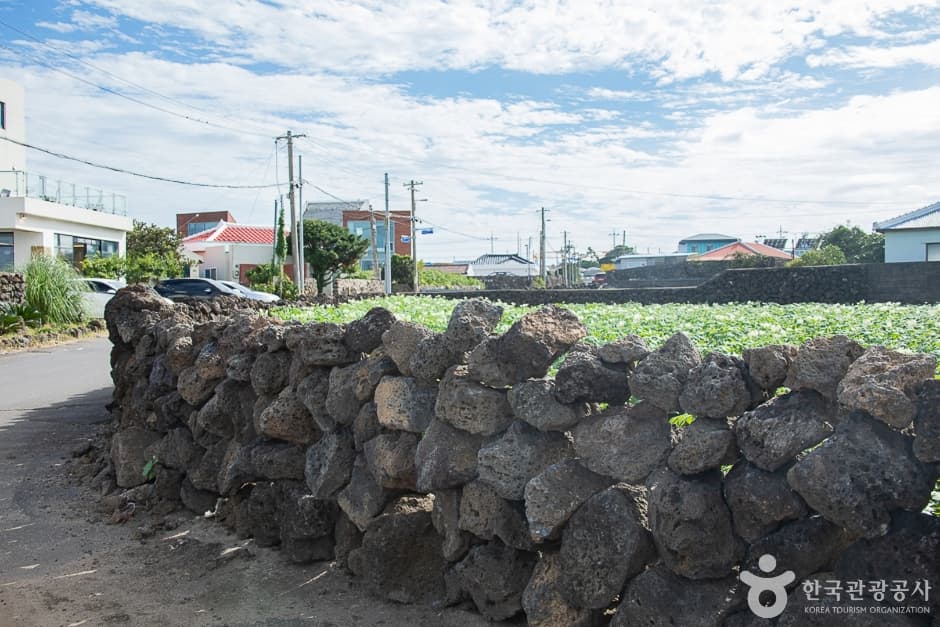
[
  {"x": 437, "y": 278},
  {"x": 151, "y": 267},
  {"x": 112, "y": 267},
  {"x": 15, "y": 317},
  {"x": 828, "y": 255},
  {"x": 54, "y": 289},
  {"x": 286, "y": 289},
  {"x": 262, "y": 274}
]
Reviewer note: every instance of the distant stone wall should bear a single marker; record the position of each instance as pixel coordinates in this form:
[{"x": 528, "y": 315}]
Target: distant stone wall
[
  {"x": 911, "y": 283},
  {"x": 689, "y": 272},
  {"x": 12, "y": 287},
  {"x": 346, "y": 288},
  {"x": 444, "y": 468}
]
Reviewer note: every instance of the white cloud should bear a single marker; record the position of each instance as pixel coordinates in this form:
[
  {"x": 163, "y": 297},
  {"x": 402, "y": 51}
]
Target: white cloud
[
  {"x": 739, "y": 39},
  {"x": 876, "y": 57}
]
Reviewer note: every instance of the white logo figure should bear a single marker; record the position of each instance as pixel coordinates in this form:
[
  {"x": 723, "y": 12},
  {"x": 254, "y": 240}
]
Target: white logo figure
[{"x": 776, "y": 585}]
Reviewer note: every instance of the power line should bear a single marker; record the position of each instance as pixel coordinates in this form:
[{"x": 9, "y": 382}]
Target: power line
[
  {"x": 131, "y": 98},
  {"x": 130, "y": 172}
]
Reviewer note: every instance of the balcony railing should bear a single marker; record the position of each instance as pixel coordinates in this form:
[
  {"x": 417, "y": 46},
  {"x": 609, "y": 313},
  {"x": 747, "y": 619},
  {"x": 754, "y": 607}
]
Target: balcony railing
[{"x": 18, "y": 183}]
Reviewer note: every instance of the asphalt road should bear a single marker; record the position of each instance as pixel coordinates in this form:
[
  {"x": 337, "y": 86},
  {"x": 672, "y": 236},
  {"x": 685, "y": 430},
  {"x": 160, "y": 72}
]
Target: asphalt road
[{"x": 50, "y": 399}]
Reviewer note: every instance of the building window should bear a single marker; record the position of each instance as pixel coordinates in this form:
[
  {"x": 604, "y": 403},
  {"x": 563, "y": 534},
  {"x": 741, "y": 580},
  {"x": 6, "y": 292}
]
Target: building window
[
  {"x": 210, "y": 273},
  {"x": 76, "y": 249},
  {"x": 933, "y": 252},
  {"x": 3, "y": 114},
  {"x": 6, "y": 252},
  {"x": 198, "y": 227}
]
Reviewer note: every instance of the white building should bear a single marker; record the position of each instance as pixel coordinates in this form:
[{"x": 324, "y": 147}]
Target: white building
[
  {"x": 229, "y": 250},
  {"x": 498, "y": 265},
  {"x": 626, "y": 262},
  {"x": 914, "y": 236},
  {"x": 42, "y": 215}
]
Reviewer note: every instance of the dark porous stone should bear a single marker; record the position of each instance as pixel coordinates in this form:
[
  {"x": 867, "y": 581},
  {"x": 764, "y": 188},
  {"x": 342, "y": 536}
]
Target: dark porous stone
[
  {"x": 542, "y": 601},
  {"x": 626, "y": 444},
  {"x": 431, "y": 358},
  {"x": 803, "y": 546},
  {"x": 366, "y": 425},
  {"x": 660, "y": 598},
  {"x": 287, "y": 419},
  {"x": 552, "y": 496},
  {"x": 390, "y": 458},
  {"x": 363, "y": 498},
  {"x": 820, "y": 364},
  {"x": 760, "y": 500},
  {"x": 907, "y": 552},
  {"x": 468, "y": 405},
  {"x": 692, "y": 524},
  {"x": 703, "y": 445},
  {"x": 716, "y": 388},
  {"x": 628, "y": 351},
  {"x": 365, "y": 334},
  {"x": 319, "y": 344},
  {"x": 927, "y": 423},
  {"x": 404, "y": 404},
  {"x": 771, "y": 435},
  {"x": 228, "y": 414},
  {"x": 768, "y": 365},
  {"x": 470, "y": 323},
  {"x": 495, "y": 577},
  {"x": 329, "y": 464},
  {"x": 584, "y": 377},
  {"x": 270, "y": 371},
  {"x": 534, "y": 402},
  {"x": 527, "y": 349},
  {"x": 883, "y": 383},
  {"x": 446, "y": 516},
  {"x": 487, "y": 515},
  {"x": 400, "y": 341},
  {"x": 661, "y": 375},
  {"x": 521, "y": 452},
  {"x": 861, "y": 474},
  {"x": 446, "y": 457},
  {"x": 400, "y": 558},
  {"x": 603, "y": 545},
  {"x": 312, "y": 390}
]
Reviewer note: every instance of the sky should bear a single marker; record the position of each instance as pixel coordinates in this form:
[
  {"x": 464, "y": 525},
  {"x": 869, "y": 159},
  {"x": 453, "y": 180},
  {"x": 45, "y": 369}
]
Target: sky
[{"x": 639, "y": 121}]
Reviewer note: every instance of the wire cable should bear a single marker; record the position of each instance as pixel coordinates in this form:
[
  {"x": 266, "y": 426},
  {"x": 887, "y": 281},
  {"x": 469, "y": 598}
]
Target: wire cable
[{"x": 131, "y": 172}]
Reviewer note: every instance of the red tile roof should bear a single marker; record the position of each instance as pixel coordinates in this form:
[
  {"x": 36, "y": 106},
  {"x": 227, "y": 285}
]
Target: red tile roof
[
  {"x": 748, "y": 249},
  {"x": 231, "y": 233}
]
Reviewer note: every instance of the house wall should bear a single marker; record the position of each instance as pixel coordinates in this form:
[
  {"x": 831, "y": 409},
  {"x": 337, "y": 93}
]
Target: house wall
[
  {"x": 183, "y": 220},
  {"x": 228, "y": 265},
  {"x": 13, "y": 157},
  {"x": 35, "y": 222},
  {"x": 909, "y": 244},
  {"x": 512, "y": 269}
]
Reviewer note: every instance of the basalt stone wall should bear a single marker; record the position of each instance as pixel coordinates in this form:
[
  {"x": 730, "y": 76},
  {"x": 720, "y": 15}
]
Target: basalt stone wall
[
  {"x": 694, "y": 272},
  {"x": 447, "y": 468},
  {"x": 12, "y": 287},
  {"x": 911, "y": 283}
]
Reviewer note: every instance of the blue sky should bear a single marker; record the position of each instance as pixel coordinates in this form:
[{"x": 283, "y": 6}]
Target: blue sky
[{"x": 658, "y": 119}]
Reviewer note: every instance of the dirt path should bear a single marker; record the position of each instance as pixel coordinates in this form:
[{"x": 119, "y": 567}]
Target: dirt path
[{"x": 61, "y": 563}]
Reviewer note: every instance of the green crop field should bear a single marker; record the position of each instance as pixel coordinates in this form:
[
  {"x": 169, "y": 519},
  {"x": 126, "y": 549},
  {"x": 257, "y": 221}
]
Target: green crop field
[{"x": 722, "y": 328}]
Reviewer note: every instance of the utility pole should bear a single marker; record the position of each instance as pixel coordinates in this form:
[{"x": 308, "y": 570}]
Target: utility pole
[
  {"x": 625, "y": 238},
  {"x": 375, "y": 253},
  {"x": 492, "y": 243},
  {"x": 300, "y": 228},
  {"x": 412, "y": 185},
  {"x": 388, "y": 243},
  {"x": 294, "y": 225},
  {"x": 564, "y": 257},
  {"x": 528, "y": 257},
  {"x": 542, "y": 247},
  {"x": 613, "y": 240}
]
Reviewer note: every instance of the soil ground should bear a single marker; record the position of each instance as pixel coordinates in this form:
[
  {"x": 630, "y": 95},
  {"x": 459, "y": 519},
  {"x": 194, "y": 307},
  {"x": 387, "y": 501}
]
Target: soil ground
[{"x": 62, "y": 562}]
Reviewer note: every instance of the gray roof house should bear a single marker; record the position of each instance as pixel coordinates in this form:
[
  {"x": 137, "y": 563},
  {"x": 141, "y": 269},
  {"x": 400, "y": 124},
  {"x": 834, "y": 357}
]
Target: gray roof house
[
  {"x": 332, "y": 211},
  {"x": 914, "y": 236}
]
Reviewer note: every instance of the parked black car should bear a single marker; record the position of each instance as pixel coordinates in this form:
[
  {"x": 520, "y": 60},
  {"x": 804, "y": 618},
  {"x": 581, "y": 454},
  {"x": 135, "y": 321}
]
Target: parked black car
[{"x": 175, "y": 289}]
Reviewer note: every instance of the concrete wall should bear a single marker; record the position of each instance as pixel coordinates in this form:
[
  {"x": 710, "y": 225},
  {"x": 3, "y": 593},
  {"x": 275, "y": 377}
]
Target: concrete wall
[
  {"x": 909, "y": 245},
  {"x": 442, "y": 468}
]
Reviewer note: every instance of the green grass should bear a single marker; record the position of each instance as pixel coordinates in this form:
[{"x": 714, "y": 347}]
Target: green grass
[
  {"x": 54, "y": 289},
  {"x": 722, "y": 328}
]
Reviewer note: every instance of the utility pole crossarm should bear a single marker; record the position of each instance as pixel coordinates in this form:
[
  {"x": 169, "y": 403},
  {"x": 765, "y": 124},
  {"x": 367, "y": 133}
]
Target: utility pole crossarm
[
  {"x": 412, "y": 185},
  {"x": 295, "y": 223}
]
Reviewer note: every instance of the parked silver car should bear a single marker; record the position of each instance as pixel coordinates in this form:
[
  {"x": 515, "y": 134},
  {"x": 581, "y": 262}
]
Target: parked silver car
[
  {"x": 100, "y": 291},
  {"x": 250, "y": 293}
]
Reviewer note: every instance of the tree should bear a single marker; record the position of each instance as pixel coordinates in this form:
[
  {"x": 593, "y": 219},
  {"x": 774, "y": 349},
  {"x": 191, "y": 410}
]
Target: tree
[
  {"x": 858, "y": 246},
  {"x": 330, "y": 249},
  {"x": 280, "y": 246},
  {"x": 402, "y": 270},
  {"x": 617, "y": 251},
  {"x": 828, "y": 255},
  {"x": 113, "y": 267},
  {"x": 153, "y": 253}
]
